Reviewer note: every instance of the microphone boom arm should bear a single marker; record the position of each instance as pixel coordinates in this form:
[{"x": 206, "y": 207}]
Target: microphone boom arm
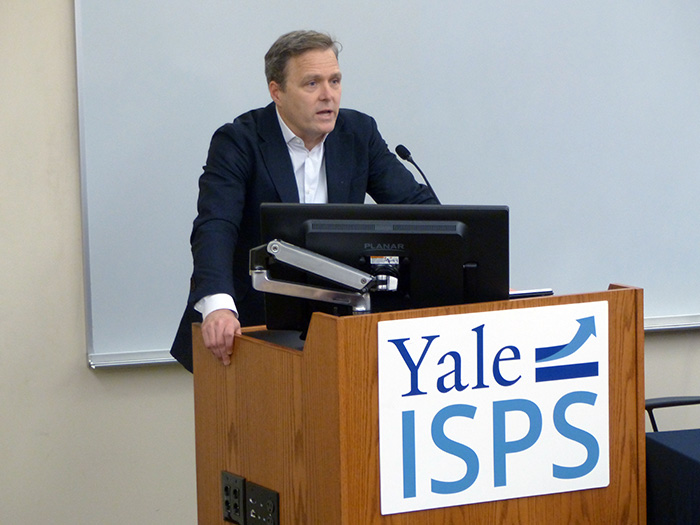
[{"x": 402, "y": 151}]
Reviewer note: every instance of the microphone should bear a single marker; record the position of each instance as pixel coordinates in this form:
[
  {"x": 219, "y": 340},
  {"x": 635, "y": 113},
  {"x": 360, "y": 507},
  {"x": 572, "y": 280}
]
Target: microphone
[{"x": 402, "y": 151}]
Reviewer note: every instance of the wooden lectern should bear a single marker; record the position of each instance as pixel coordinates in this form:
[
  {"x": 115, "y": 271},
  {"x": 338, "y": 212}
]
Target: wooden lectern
[{"x": 305, "y": 424}]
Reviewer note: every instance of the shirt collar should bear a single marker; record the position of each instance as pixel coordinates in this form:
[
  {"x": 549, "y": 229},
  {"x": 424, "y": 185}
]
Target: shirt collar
[{"x": 289, "y": 136}]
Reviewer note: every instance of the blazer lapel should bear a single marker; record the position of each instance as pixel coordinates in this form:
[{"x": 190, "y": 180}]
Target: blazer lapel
[
  {"x": 340, "y": 165},
  {"x": 276, "y": 156}
]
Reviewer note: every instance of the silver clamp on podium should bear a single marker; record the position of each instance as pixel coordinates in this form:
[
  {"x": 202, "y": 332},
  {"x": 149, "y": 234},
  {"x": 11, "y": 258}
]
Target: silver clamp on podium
[{"x": 363, "y": 283}]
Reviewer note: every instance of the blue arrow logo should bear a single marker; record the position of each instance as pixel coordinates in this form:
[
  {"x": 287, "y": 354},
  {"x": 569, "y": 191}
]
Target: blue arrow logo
[{"x": 586, "y": 329}]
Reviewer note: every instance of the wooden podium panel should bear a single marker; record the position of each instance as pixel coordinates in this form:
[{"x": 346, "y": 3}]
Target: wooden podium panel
[{"x": 305, "y": 424}]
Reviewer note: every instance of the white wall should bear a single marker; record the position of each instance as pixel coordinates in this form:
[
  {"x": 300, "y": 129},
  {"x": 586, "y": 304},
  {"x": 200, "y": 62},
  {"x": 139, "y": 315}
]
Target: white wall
[
  {"x": 672, "y": 368},
  {"x": 79, "y": 446}
]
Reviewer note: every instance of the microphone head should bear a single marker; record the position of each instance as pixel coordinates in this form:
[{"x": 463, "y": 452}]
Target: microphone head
[{"x": 402, "y": 151}]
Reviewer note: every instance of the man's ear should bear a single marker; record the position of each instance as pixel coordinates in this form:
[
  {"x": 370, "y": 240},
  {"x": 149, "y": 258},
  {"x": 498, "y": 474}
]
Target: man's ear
[{"x": 275, "y": 90}]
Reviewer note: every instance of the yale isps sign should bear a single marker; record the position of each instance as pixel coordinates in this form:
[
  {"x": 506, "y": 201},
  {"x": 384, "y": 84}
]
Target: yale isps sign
[{"x": 493, "y": 405}]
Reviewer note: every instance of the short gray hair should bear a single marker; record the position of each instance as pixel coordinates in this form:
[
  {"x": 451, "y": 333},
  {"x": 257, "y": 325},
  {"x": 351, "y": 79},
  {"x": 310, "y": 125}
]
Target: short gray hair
[{"x": 294, "y": 44}]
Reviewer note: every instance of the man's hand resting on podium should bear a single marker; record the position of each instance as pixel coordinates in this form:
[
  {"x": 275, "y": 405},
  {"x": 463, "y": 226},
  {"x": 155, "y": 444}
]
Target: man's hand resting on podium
[{"x": 218, "y": 331}]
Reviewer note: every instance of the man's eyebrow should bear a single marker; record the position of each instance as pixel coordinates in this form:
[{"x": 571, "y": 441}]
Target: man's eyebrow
[
  {"x": 312, "y": 76},
  {"x": 318, "y": 76}
]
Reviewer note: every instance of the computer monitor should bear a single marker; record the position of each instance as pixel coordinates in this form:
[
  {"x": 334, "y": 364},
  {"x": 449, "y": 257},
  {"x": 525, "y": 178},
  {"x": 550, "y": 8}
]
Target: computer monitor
[{"x": 440, "y": 254}]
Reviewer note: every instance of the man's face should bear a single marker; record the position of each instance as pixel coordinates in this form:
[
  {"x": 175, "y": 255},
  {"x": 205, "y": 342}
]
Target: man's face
[{"x": 310, "y": 99}]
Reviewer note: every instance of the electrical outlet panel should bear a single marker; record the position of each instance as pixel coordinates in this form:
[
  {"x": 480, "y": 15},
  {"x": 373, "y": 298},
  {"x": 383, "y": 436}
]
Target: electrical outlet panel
[
  {"x": 246, "y": 503},
  {"x": 233, "y": 498},
  {"x": 262, "y": 505}
]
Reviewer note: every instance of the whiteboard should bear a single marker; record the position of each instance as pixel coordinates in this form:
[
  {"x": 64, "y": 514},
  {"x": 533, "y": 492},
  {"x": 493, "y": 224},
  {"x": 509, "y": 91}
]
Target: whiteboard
[{"x": 583, "y": 117}]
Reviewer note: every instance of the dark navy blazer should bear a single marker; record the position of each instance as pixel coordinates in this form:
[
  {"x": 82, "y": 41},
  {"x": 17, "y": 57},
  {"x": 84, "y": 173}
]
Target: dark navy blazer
[{"x": 248, "y": 164}]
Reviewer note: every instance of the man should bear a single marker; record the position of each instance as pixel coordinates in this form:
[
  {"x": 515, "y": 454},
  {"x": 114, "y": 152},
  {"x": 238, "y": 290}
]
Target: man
[{"x": 300, "y": 148}]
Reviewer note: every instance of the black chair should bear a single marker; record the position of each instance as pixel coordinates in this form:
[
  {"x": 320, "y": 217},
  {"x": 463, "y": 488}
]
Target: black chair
[
  {"x": 663, "y": 402},
  {"x": 673, "y": 468}
]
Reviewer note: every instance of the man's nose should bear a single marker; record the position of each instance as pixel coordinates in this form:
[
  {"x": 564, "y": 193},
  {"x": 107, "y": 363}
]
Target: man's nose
[{"x": 325, "y": 92}]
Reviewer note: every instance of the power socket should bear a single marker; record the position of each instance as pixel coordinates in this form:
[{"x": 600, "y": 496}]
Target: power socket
[
  {"x": 262, "y": 505},
  {"x": 233, "y": 498},
  {"x": 246, "y": 503}
]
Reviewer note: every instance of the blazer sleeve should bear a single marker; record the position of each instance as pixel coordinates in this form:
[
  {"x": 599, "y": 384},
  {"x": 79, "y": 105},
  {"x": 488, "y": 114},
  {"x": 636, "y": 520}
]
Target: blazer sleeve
[{"x": 220, "y": 205}]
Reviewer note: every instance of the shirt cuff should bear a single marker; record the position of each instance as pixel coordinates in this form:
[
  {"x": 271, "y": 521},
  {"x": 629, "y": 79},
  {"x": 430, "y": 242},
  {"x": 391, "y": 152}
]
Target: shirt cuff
[{"x": 217, "y": 301}]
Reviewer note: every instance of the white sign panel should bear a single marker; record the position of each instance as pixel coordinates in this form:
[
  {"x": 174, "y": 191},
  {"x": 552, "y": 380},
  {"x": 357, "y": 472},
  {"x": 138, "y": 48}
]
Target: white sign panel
[{"x": 494, "y": 405}]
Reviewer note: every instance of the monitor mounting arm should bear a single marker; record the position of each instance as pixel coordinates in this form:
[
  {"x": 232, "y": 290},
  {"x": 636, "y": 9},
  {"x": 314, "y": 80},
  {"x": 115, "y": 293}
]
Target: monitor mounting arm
[{"x": 316, "y": 264}]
